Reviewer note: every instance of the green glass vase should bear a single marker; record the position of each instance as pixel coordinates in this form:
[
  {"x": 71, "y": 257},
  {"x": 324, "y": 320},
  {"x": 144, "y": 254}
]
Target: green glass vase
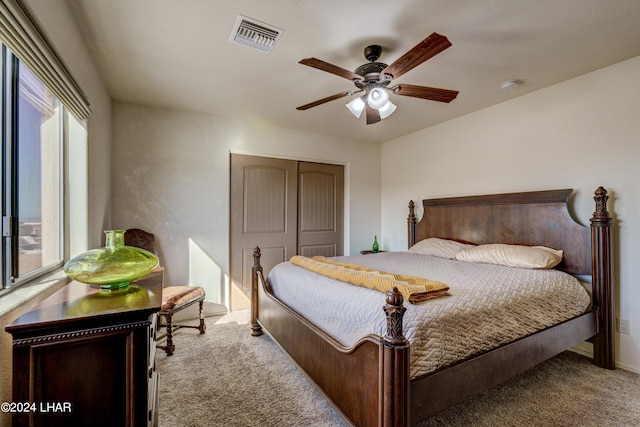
[{"x": 113, "y": 266}]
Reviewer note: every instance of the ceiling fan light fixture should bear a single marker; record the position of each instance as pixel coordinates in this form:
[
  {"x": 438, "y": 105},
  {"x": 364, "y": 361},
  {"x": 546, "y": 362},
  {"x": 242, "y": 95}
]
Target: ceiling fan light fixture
[
  {"x": 378, "y": 97},
  {"x": 387, "y": 109},
  {"x": 374, "y": 78},
  {"x": 356, "y": 106}
]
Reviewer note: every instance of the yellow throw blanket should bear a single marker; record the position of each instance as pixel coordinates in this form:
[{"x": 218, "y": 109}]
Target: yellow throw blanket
[{"x": 413, "y": 289}]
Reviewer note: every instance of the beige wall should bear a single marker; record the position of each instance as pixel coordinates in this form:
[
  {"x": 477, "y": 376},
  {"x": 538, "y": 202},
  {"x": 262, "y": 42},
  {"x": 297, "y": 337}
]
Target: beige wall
[
  {"x": 56, "y": 21},
  {"x": 579, "y": 134},
  {"x": 171, "y": 177}
]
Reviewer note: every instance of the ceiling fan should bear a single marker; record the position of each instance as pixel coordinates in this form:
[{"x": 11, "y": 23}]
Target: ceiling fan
[{"x": 374, "y": 78}]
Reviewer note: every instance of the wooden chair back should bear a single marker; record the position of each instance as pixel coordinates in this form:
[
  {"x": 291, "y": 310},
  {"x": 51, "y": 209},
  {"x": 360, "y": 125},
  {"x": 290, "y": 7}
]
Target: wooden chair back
[{"x": 140, "y": 239}]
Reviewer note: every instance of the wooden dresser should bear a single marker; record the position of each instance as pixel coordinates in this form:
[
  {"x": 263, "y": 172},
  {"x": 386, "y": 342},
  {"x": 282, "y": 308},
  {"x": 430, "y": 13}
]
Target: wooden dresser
[{"x": 84, "y": 358}]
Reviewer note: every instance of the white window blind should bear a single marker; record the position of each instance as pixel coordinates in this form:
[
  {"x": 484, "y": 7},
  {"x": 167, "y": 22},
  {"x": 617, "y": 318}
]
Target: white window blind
[{"x": 22, "y": 36}]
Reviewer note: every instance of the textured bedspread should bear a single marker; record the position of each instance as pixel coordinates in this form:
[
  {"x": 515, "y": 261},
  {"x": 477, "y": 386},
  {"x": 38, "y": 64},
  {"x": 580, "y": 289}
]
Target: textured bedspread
[{"x": 488, "y": 305}]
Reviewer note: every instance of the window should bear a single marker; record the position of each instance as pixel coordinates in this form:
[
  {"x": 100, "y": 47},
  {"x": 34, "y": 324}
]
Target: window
[
  {"x": 32, "y": 174},
  {"x": 43, "y": 113},
  {"x": 32, "y": 178}
]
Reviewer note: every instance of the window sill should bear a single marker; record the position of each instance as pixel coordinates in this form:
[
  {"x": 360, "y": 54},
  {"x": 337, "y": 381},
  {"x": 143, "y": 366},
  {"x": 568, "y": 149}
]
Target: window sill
[{"x": 31, "y": 292}]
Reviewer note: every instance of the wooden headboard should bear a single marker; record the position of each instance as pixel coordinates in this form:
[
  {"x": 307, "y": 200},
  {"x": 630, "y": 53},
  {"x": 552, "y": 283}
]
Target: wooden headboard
[
  {"x": 530, "y": 218},
  {"x": 535, "y": 218}
]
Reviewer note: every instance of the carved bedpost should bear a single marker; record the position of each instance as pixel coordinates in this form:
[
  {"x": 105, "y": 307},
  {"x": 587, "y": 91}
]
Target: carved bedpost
[
  {"x": 256, "y": 329},
  {"x": 394, "y": 309},
  {"x": 396, "y": 399},
  {"x": 602, "y": 281},
  {"x": 411, "y": 224}
]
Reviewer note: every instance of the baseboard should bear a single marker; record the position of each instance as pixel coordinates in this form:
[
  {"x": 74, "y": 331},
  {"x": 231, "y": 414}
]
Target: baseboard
[
  {"x": 583, "y": 348},
  {"x": 586, "y": 349},
  {"x": 192, "y": 312}
]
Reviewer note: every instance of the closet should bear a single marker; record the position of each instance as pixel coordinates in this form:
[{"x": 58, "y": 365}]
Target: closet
[{"x": 286, "y": 207}]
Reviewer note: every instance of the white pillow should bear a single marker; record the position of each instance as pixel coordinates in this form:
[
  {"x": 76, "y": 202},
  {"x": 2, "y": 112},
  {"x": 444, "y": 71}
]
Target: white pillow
[
  {"x": 512, "y": 255},
  {"x": 442, "y": 248}
]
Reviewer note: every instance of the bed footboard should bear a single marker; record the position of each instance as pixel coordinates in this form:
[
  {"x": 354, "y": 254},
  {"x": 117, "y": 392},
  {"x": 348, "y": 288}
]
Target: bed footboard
[{"x": 367, "y": 383}]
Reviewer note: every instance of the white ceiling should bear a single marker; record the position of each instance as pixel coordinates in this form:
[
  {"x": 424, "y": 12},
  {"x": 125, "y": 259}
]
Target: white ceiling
[{"x": 177, "y": 54}]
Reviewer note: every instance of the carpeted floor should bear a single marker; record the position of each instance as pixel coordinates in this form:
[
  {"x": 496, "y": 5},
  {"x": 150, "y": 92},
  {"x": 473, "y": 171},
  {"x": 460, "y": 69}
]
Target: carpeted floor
[{"x": 226, "y": 377}]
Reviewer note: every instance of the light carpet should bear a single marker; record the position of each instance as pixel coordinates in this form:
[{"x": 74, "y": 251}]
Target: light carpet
[{"x": 226, "y": 377}]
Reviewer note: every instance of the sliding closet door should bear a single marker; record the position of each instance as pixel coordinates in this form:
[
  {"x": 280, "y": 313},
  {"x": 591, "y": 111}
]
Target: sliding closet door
[
  {"x": 320, "y": 209},
  {"x": 263, "y": 213},
  {"x": 286, "y": 208}
]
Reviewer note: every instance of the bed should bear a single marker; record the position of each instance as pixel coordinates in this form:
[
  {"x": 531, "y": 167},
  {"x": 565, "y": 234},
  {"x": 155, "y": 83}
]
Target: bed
[{"x": 370, "y": 381}]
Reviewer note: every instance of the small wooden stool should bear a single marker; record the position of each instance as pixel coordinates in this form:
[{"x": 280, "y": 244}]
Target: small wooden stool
[{"x": 174, "y": 299}]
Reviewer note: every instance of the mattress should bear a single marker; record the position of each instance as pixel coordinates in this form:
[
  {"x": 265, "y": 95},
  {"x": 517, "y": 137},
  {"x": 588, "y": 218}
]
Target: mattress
[{"x": 488, "y": 305}]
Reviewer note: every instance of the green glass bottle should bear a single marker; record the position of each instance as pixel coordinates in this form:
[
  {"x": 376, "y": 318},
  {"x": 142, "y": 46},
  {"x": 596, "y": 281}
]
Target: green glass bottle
[
  {"x": 113, "y": 266},
  {"x": 376, "y": 248}
]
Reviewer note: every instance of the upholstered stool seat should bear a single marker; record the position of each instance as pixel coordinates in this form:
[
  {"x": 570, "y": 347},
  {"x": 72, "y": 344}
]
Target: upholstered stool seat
[
  {"x": 174, "y": 298},
  {"x": 180, "y": 296}
]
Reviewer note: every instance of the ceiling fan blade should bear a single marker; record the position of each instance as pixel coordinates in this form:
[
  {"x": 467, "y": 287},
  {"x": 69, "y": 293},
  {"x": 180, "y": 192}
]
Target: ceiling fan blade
[
  {"x": 330, "y": 68},
  {"x": 373, "y": 115},
  {"x": 427, "y": 48},
  {"x": 424, "y": 92},
  {"x": 323, "y": 100}
]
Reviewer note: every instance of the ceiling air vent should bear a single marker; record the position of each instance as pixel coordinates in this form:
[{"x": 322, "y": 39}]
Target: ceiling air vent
[{"x": 255, "y": 34}]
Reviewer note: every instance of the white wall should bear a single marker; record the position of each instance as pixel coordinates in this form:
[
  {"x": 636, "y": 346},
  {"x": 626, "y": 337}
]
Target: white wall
[
  {"x": 579, "y": 134},
  {"x": 171, "y": 177},
  {"x": 56, "y": 21}
]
